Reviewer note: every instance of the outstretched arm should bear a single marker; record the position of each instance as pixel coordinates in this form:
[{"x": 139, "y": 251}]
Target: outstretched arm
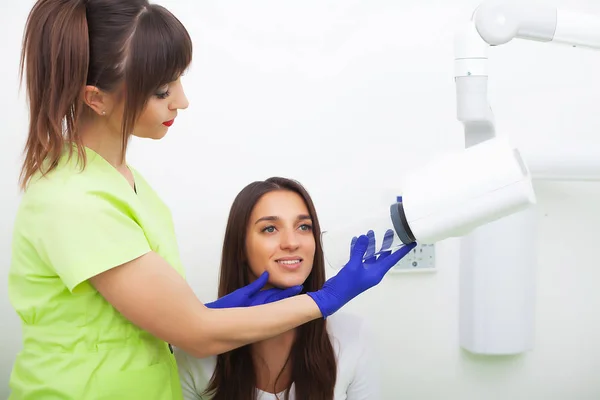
[{"x": 153, "y": 296}]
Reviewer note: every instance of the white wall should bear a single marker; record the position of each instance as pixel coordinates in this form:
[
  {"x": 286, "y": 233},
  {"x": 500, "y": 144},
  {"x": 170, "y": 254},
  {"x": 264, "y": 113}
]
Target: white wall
[{"x": 341, "y": 95}]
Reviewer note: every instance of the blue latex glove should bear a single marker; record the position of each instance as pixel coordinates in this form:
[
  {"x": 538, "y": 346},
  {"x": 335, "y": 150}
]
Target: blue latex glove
[
  {"x": 356, "y": 276},
  {"x": 370, "y": 255},
  {"x": 252, "y": 295}
]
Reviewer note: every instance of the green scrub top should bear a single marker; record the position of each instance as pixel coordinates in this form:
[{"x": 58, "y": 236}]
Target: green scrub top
[{"x": 70, "y": 226}]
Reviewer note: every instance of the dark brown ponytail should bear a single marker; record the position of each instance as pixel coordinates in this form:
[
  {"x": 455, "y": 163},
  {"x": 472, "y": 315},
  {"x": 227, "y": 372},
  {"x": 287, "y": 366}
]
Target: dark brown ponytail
[{"x": 55, "y": 56}]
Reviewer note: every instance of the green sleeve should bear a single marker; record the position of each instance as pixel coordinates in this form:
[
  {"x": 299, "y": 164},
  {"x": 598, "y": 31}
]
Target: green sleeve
[{"x": 82, "y": 236}]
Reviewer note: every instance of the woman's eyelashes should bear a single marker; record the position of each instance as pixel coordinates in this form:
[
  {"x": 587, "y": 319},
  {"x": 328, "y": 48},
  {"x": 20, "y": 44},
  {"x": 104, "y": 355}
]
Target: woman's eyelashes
[
  {"x": 268, "y": 229},
  {"x": 273, "y": 228},
  {"x": 163, "y": 94}
]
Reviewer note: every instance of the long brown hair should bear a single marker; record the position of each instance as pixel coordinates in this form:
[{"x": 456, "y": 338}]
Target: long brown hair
[
  {"x": 126, "y": 45},
  {"x": 312, "y": 357}
]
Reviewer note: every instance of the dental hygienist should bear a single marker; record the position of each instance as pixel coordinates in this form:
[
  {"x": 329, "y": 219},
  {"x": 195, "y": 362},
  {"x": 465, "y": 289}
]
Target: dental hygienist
[{"x": 95, "y": 275}]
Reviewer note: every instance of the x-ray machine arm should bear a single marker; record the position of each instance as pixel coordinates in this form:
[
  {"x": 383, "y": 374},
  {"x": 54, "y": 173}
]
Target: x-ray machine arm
[
  {"x": 495, "y": 23},
  {"x": 497, "y": 265}
]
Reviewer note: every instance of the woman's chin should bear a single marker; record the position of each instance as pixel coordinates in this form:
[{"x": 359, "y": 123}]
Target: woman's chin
[{"x": 287, "y": 282}]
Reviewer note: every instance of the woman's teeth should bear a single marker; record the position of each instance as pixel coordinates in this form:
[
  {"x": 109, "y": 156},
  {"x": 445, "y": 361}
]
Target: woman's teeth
[{"x": 288, "y": 262}]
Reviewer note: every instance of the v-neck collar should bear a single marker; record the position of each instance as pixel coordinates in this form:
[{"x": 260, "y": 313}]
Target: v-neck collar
[{"x": 93, "y": 155}]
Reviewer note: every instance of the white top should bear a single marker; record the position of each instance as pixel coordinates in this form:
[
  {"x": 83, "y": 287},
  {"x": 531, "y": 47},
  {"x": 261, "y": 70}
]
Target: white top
[{"x": 357, "y": 375}]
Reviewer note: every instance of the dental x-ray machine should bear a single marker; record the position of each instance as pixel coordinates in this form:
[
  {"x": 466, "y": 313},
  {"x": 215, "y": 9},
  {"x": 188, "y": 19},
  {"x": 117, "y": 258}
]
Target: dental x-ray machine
[
  {"x": 497, "y": 278},
  {"x": 483, "y": 192}
]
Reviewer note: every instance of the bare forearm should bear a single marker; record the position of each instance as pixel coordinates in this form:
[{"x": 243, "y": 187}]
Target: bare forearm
[
  {"x": 227, "y": 329},
  {"x": 149, "y": 293}
]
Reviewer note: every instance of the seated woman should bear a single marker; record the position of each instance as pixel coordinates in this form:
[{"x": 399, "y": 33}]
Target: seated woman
[{"x": 273, "y": 227}]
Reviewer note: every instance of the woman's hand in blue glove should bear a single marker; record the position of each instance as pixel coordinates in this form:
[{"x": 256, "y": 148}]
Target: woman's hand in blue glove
[
  {"x": 252, "y": 295},
  {"x": 355, "y": 277}
]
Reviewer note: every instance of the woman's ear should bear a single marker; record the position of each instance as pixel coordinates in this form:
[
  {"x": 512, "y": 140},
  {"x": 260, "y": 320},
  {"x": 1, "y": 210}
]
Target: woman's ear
[{"x": 97, "y": 100}]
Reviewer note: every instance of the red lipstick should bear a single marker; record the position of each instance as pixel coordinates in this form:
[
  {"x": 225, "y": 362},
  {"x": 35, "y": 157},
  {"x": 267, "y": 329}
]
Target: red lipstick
[{"x": 169, "y": 123}]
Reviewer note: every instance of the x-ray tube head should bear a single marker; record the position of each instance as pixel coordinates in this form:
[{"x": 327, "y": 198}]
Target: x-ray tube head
[
  {"x": 453, "y": 195},
  {"x": 447, "y": 198}
]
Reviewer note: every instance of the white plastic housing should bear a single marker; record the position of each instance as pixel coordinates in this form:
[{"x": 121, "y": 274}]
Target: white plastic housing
[
  {"x": 497, "y": 286},
  {"x": 577, "y": 29},
  {"x": 470, "y": 52},
  {"x": 497, "y": 269},
  {"x": 459, "y": 192},
  {"x": 500, "y": 21}
]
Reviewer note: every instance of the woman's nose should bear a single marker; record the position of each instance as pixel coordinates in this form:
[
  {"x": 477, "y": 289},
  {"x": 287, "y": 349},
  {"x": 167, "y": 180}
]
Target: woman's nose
[
  {"x": 180, "y": 100},
  {"x": 180, "y": 103},
  {"x": 289, "y": 241}
]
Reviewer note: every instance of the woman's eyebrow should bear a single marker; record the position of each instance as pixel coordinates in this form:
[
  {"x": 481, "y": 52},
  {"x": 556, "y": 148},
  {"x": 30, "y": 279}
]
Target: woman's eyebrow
[
  {"x": 300, "y": 217},
  {"x": 267, "y": 218}
]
